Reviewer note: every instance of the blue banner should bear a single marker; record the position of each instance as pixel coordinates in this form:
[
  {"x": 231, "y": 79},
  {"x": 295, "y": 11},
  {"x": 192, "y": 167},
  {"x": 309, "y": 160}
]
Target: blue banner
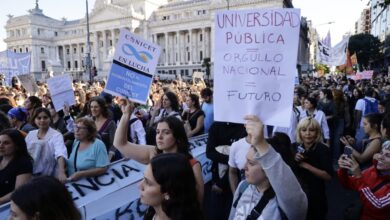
[{"x": 14, "y": 64}]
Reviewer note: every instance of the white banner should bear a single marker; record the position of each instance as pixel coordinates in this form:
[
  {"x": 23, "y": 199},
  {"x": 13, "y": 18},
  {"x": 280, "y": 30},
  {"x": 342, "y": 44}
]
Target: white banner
[
  {"x": 61, "y": 91},
  {"x": 334, "y": 56},
  {"x": 255, "y": 61},
  {"x": 115, "y": 194}
]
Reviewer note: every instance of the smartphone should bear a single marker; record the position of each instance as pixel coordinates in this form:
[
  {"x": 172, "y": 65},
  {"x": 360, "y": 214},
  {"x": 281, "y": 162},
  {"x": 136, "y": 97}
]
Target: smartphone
[
  {"x": 300, "y": 150},
  {"x": 348, "y": 152}
]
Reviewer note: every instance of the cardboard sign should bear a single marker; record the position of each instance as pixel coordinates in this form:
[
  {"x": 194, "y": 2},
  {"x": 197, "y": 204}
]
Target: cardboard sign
[
  {"x": 255, "y": 61},
  {"x": 133, "y": 67},
  {"x": 61, "y": 91}
]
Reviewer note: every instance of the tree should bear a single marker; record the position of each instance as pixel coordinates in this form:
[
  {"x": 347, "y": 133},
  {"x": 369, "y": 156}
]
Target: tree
[
  {"x": 367, "y": 49},
  {"x": 321, "y": 69}
]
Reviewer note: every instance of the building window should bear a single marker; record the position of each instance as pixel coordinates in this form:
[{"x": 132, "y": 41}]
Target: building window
[
  {"x": 200, "y": 37},
  {"x": 188, "y": 55},
  {"x": 82, "y": 49},
  {"x": 67, "y": 51},
  {"x": 39, "y": 31},
  {"x": 201, "y": 55},
  {"x": 42, "y": 50},
  {"x": 82, "y": 63},
  {"x": 177, "y": 57},
  {"x": 20, "y": 50},
  {"x": 74, "y": 50},
  {"x": 43, "y": 64},
  {"x": 75, "y": 64},
  {"x": 14, "y": 50},
  {"x": 110, "y": 43},
  {"x": 55, "y": 33},
  {"x": 68, "y": 64},
  {"x": 165, "y": 17},
  {"x": 26, "y": 49}
]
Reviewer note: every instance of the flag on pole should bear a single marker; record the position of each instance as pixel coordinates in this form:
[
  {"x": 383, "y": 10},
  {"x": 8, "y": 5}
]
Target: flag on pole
[
  {"x": 334, "y": 56},
  {"x": 327, "y": 40}
]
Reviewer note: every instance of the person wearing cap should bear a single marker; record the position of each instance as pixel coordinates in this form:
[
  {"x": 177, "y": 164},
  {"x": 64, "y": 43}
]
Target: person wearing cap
[
  {"x": 18, "y": 117},
  {"x": 373, "y": 183}
]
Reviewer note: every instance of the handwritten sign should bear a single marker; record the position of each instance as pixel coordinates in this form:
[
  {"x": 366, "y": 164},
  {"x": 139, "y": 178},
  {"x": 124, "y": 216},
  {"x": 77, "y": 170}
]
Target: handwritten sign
[
  {"x": 28, "y": 82},
  {"x": 115, "y": 194},
  {"x": 61, "y": 91},
  {"x": 255, "y": 62},
  {"x": 133, "y": 67}
]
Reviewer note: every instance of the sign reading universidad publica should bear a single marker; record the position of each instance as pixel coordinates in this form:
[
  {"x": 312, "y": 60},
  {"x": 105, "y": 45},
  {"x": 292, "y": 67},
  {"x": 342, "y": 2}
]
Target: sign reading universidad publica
[
  {"x": 255, "y": 63},
  {"x": 133, "y": 67}
]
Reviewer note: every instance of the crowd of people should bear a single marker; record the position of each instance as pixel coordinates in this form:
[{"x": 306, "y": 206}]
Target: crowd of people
[{"x": 339, "y": 129}]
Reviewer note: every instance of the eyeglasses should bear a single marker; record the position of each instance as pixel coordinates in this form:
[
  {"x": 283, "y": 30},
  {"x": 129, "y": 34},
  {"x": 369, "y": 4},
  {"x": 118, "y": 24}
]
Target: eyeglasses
[{"x": 79, "y": 127}]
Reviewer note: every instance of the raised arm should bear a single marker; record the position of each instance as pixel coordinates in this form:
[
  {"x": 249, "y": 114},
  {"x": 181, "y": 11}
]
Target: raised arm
[{"x": 140, "y": 153}]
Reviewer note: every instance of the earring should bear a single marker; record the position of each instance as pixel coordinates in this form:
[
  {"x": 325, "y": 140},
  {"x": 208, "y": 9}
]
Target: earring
[{"x": 166, "y": 197}]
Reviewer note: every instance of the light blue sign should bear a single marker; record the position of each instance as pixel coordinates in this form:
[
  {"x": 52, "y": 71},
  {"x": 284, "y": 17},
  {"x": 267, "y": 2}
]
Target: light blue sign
[
  {"x": 14, "y": 64},
  {"x": 128, "y": 82}
]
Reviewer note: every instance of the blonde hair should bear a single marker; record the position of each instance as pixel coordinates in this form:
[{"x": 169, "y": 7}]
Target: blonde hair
[{"x": 308, "y": 122}]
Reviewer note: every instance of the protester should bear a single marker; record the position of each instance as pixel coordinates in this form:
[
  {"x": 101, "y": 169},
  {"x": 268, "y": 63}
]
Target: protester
[
  {"x": 371, "y": 145},
  {"x": 18, "y": 119},
  {"x": 169, "y": 188},
  {"x": 48, "y": 199},
  {"x": 373, "y": 183},
  {"x": 31, "y": 104},
  {"x": 4, "y": 121},
  {"x": 193, "y": 117},
  {"x": 170, "y": 138},
  {"x": 105, "y": 125},
  {"x": 15, "y": 163},
  {"x": 314, "y": 166},
  {"x": 267, "y": 196},
  {"x": 89, "y": 155},
  {"x": 58, "y": 122},
  {"x": 47, "y": 147},
  {"x": 207, "y": 108}
]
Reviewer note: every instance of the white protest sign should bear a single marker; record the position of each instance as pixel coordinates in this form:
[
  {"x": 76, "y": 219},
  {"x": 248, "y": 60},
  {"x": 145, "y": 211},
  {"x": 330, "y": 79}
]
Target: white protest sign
[
  {"x": 133, "y": 67},
  {"x": 255, "y": 61},
  {"x": 28, "y": 82},
  {"x": 61, "y": 91}
]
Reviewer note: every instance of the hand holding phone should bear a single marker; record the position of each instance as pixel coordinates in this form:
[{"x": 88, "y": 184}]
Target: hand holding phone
[{"x": 348, "y": 151}]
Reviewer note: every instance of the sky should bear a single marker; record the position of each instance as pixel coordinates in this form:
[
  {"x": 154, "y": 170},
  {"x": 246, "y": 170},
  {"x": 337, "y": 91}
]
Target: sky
[{"x": 343, "y": 12}]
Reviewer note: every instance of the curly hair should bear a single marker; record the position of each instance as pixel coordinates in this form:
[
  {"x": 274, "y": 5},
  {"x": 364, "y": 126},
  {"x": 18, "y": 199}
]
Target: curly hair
[{"x": 174, "y": 174}]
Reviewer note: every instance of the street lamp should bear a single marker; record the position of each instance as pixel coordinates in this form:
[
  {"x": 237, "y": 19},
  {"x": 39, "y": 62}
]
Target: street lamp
[{"x": 88, "y": 58}]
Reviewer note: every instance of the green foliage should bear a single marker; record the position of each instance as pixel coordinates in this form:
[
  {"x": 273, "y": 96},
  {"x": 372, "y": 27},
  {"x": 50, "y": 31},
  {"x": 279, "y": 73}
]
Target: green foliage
[
  {"x": 322, "y": 68},
  {"x": 367, "y": 49}
]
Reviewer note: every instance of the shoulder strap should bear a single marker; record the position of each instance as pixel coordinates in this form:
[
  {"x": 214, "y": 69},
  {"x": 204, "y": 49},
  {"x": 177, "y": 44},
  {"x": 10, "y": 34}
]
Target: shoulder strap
[
  {"x": 241, "y": 190},
  {"x": 75, "y": 157},
  {"x": 258, "y": 209},
  {"x": 104, "y": 125}
]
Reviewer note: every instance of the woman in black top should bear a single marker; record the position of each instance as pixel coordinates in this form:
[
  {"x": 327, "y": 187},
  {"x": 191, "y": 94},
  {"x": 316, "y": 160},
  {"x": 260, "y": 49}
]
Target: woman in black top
[
  {"x": 193, "y": 117},
  {"x": 315, "y": 166},
  {"x": 15, "y": 163}
]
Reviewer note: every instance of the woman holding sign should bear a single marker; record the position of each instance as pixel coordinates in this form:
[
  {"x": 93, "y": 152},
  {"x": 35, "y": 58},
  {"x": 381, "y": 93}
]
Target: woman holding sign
[{"x": 170, "y": 138}]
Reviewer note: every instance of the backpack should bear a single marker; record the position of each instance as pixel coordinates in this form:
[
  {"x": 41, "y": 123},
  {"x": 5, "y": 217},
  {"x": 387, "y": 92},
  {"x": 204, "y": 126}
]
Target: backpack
[{"x": 371, "y": 107}]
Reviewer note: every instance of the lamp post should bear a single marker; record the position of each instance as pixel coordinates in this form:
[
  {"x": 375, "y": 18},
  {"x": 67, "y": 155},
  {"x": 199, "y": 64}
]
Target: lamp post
[
  {"x": 228, "y": 4},
  {"x": 88, "y": 58}
]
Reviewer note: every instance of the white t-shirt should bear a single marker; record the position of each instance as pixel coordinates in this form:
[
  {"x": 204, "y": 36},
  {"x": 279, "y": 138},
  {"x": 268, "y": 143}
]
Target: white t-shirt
[
  {"x": 361, "y": 106},
  {"x": 237, "y": 155}
]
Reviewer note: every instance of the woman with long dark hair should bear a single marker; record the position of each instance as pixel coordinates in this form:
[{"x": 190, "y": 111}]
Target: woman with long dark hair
[
  {"x": 47, "y": 199},
  {"x": 169, "y": 189},
  {"x": 15, "y": 163},
  {"x": 170, "y": 138},
  {"x": 193, "y": 116}
]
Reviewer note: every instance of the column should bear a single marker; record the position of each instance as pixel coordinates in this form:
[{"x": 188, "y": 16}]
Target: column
[
  {"x": 190, "y": 47},
  {"x": 79, "y": 55},
  {"x": 153, "y": 38},
  {"x": 166, "y": 48},
  {"x": 96, "y": 49},
  {"x": 203, "y": 43},
  {"x": 104, "y": 45},
  {"x": 63, "y": 56},
  {"x": 113, "y": 37},
  {"x": 178, "y": 48}
]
